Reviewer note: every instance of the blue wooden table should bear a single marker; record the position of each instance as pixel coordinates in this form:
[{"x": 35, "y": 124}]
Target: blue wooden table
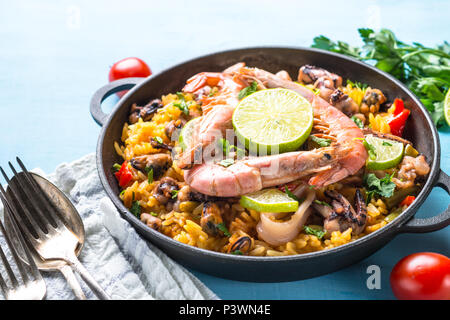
[{"x": 54, "y": 55}]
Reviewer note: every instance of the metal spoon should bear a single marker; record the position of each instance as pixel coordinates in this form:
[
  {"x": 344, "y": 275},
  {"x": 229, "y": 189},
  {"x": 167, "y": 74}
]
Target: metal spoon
[{"x": 73, "y": 222}]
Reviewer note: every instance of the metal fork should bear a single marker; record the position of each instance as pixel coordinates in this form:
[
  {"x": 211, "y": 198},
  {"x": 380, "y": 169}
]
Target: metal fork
[
  {"x": 42, "y": 225},
  {"x": 32, "y": 285}
]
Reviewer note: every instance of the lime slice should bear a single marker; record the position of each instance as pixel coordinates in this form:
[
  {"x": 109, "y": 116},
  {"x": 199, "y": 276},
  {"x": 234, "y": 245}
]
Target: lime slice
[
  {"x": 185, "y": 138},
  {"x": 269, "y": 200},
  {"x": 389, "y": 153},
  {"x": 273, "y": 120},
  {"x": 447, "y": 107}
]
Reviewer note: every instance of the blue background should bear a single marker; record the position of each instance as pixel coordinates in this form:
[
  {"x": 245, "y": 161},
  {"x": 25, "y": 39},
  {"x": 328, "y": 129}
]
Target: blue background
[{"x": 54, "y": 55}]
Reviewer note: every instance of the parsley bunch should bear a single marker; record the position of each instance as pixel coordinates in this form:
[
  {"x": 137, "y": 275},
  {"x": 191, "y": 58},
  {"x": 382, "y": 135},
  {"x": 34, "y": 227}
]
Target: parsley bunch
[{"x": 426, "y": 71}]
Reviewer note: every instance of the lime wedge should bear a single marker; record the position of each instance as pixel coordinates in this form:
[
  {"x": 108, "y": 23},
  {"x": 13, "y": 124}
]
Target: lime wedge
[
  {"x": 273, "y": 121},
  {"x": 269, "y": 200},
  {"x": 389, "y": 153},
  {"x": 185, "y": 137},
  {"x": 447, "y": 107}
]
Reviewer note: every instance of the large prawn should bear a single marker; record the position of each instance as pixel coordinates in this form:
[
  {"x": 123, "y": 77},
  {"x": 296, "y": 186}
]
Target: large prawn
[
  {"x": 217, "y": 108},
  {"x": 327, "y": 165}
]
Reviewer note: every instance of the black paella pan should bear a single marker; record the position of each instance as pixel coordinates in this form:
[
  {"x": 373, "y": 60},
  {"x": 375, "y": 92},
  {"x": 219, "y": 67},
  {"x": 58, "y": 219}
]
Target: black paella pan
[{"x": 420, "y": 130}]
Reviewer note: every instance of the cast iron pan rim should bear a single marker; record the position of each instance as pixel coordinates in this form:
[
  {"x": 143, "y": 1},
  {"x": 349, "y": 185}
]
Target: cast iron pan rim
[{"x": 391, "y": 228}]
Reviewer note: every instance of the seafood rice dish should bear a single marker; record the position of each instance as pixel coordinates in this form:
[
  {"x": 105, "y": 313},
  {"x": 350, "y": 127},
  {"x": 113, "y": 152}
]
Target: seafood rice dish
[{"x": 250, "y": 162}]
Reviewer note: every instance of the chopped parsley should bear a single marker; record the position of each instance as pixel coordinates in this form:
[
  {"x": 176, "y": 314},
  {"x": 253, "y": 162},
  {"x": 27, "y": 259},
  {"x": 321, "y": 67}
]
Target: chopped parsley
[
  {"x": 227, "y": 148},
  {"x": 182, "y": 105},
  {"x": 358, "y": 122},
  {"x": 221, "y": 227},
  {"x": 158, "y": 139},
  {"x": 174, "y": 193},
  {"x": 369, "y": 147},
  {"x": 322, "y": 203},
  {"x": 237, "y": 252},
  {"x": 387, "y": 144},
  {"x": 321, "y": 141},
  {"x": 252, "y": 88},
  {"x": 290, "y": 194},
  {"x": 315, "y": 232},
  {"x": 382, "y": 187},
  {"x": 356, "y": 84},
  {"x": 149, "y": 171},
  {"x": 226, "y": 162},
  {"x": 136, "y": 209}
]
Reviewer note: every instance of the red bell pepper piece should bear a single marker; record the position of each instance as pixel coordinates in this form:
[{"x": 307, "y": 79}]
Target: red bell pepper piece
[
  {"x": 124, "y": 175},
  {"x": 397, "y": 122},
  {"x": 399, "y": 106},
  {"x": 407, "y": 201}
]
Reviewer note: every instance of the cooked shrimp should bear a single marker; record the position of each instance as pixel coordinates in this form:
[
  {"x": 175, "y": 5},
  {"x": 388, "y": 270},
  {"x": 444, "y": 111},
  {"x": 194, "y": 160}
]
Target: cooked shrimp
[
  {"x": 331, "y": 122},
  {"x": 253, "y": 174},
  {"x": 217, "y": 109},
  {"x": 329, "y": 164}
]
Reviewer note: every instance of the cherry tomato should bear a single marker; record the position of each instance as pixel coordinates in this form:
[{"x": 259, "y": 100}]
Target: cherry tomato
[
  {"x": 422, "y": 276},
  {"x": 127, "y": 68}
]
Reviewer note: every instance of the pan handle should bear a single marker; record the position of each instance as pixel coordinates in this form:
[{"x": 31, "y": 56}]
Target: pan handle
[
  {"x": 104, "y": 92},
  {"x": 416, "y": 225}
]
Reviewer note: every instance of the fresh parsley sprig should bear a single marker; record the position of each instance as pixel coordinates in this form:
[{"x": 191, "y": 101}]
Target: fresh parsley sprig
[{"x": 426, "y": 71}]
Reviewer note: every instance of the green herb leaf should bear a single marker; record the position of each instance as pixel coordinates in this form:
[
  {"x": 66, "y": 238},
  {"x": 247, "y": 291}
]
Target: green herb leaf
[
  {"x": 356, "y": 84},
  {"x": 316, "y": 232},
  {"x": 322, "y": 203},
  {"x": 252, "y": 88},
  {"x": 290, "y": 194},
  {"x": 226, "y": 162},
  {"x": 237, "y": 252},
  {"x": 382, "y": 187},
  {"x": 386, "y": 144},
  {"x": 149, "y": 171},
  {"x": 426, "y": 71},
  {"x": 182, "y": 105},
  {"x": 136, "y": 209},
  {"x": 174, "y": 193},
  {"x": 370, "y": 149},
  {"x": 221, "y": 227},
  {"x": 321, "y": 141},
  {"x": 358, "y": 122}
]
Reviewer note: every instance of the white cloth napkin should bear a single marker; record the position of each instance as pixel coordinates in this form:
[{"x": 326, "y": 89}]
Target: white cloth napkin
[{"x": 124, "y": 264}]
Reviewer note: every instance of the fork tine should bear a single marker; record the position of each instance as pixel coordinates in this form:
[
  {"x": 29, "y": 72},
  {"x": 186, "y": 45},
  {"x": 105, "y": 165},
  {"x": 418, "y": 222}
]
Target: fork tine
[
  {"x": 35, "y": 227},
  {"x": 11, "y": 246},
  {"x": 30, "y": 232},
  {"x": 32, "y": 196},
  {"x": 25, "y": 249},
  {"x": 9, "y": 271},
  {"x": 51, "y": 211},
  {"x": 3, "y": 286}
]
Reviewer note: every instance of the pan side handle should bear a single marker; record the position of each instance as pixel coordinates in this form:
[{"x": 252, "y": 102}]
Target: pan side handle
[
  {"x": 416, "y": 225},
  {"x": 104, "y": 92}
]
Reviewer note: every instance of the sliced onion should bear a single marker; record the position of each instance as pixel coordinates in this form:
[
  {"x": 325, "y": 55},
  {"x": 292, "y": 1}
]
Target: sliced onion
[{"x": 277, "y": 233}]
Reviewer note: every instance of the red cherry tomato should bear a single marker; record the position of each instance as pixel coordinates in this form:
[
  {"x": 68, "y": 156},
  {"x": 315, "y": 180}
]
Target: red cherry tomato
[
  {"x": 127, "y": 68},
  {"x": 422, "y": 276}
]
